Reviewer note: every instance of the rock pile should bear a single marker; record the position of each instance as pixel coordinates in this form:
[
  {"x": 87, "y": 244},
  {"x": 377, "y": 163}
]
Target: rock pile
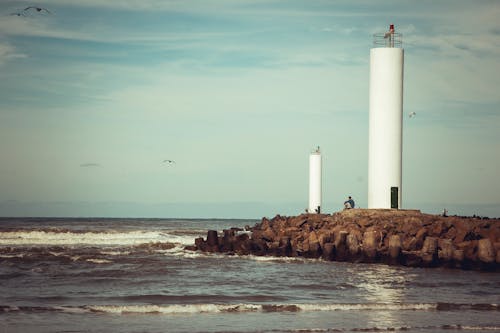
[{"x": 398, "y": 237}]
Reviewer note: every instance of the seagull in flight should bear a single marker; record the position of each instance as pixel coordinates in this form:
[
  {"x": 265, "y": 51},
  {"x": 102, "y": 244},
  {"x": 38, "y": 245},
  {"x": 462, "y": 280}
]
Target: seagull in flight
[
  {"x": 38, "y": 9},
  {"x": 30, "y": 9},
  {"x": 169, "y": 161},
  {"x": 412, "y": 114}
]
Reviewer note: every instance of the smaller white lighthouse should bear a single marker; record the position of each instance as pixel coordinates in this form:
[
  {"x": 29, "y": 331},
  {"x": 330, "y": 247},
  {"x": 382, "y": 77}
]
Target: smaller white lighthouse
[{"x": 315, "y": 182}]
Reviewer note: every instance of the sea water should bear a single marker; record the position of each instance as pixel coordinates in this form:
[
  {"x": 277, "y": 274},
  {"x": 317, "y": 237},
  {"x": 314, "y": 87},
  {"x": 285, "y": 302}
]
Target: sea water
[{"x": 134, "y": 275}]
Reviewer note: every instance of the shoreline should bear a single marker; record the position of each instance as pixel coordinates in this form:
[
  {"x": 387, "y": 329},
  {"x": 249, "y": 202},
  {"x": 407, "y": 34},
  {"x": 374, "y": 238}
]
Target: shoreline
[{"x": 394, "y": 237}]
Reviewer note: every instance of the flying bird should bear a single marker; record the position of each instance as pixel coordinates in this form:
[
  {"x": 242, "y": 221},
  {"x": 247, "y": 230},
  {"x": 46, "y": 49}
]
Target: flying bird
[
  {"x": 168, "y": 161},
  {"x": 38, "y": 9},
  {"x": 30, "y": 9},
  {"x": 412, "y": 114}
]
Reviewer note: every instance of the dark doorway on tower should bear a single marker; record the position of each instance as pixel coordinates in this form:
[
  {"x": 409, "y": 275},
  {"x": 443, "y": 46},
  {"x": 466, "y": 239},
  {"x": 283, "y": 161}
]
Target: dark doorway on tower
[{"x": 394, "y": 197}]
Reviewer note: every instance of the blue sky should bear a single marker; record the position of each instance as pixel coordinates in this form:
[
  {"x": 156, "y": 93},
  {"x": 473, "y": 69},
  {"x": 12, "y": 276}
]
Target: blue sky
[{"x": 94, "y": 96}]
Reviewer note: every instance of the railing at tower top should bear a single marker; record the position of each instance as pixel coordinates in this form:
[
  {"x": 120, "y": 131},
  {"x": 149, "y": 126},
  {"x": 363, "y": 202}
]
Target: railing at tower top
[{"x": 388, "y": 39}]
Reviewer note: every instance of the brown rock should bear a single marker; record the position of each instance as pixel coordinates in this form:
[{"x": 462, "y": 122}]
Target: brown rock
[
  {"x": 268, "y": 235},
  {"x": 199, "y": 241},
  {"x": 420, "y": 236},
  {"x": 353, "y": 245},
  {"x": 313, "y": 238},
  {"x": 410, "y": 244},
  {"x": 395, "y": 246},
  {"x": 458, "y": 255},
  {"x": 430, "y": 245},
  {"x": 411, "y": 225},
  {"x": 365, "y": 222},
  {"x": 324, "y": 236},
  {"x": 228, "y": 234},
  {"x": 242, "y": 244},
  {"x": 328, "y": 251},
  {"x": 265, "y": 223},
  {"x": 341, "y": 251},
  {"x": 447, "y": 249},
  {"x": 190, "y": 247},
  {"x": 429, "y": 251},
  {"x": 436, "y": 229},
  {"x": 463, "y": 228},
  {"x": 212, "y": 238},
  {"x": 451, "y": 233},
  {"x": 371, "y": 240},
  {"x": 485, "y": 251},
  {"x": 258, "y": 247},
  {"x": 298, "y": 222},
  {"x": 470, "y": 251},
  {"x": 290, "y": 231}
]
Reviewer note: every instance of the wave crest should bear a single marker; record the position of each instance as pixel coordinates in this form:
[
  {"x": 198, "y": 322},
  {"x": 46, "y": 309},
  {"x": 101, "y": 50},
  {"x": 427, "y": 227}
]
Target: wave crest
[
  {"x": 227, "y": 308},
  {"x": 51, "y": 237}
]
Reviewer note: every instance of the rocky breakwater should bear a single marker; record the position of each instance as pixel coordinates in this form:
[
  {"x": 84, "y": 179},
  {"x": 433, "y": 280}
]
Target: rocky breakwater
[{"x": 397, "y": 237}]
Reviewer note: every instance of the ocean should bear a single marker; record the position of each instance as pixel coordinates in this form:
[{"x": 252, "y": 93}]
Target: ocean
[{"x": 134, "y": 275}]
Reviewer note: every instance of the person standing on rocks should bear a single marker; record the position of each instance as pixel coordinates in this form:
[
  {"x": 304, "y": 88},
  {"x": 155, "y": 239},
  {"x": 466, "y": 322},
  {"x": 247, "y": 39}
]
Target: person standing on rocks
[{"x": 349, "y": 203}]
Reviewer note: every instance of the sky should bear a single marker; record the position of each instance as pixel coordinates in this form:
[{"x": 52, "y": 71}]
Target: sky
[{"x": 95, "y": 95}]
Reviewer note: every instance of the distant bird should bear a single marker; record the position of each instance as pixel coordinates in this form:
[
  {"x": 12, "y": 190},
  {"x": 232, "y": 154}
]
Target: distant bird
[
  {"x": 412, "y": 114},
  {"x": 169, "y": 161},
  {"x": 38, "y": 9},
  {"x": 30, "y": 9}
]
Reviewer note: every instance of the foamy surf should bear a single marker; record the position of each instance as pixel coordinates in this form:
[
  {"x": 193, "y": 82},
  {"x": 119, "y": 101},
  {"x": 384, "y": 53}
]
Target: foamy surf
[
  {"x": 99, "y": 261},
  {"x": 217, "y": 308},
  {"x": 227, "y": 308},
  {"x": 47, "y": 237}
]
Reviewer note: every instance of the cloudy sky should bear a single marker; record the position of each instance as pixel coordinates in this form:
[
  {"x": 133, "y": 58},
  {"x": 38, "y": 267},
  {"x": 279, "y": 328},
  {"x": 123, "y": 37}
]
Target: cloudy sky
[{"x": 95, "y": 95}]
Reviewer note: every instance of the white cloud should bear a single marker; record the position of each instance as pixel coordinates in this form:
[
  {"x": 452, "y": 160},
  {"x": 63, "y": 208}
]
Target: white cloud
[
  {"x": 13, "y": 26},
  {"x": 8, "y": 52}
]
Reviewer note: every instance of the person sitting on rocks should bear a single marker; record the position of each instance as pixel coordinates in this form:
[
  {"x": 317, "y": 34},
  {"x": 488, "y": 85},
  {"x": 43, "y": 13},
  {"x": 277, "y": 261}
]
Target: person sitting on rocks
[{"x": 349, "y": 203}]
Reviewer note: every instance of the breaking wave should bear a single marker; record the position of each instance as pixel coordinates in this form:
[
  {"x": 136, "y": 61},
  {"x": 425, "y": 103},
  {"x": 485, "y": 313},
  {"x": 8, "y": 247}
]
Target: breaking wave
[
  {"x": 90, "y": 254},
  {"x": 241, "y": 308},
  {"x": 88, "y": 238}
]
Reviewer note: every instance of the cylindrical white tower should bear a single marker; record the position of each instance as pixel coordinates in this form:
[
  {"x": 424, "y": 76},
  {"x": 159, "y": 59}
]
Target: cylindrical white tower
[
  {"x": 315, "y": 181},
  {"x": 385, "y": 148}
]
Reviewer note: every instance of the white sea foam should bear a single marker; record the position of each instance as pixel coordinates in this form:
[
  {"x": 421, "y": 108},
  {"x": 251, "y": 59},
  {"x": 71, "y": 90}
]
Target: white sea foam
[
  {"x": 91, "y": 238},
  {"x": 178, "y": 309},
  {"x": 21, "y": 255},
  {"x": 369, "y": 306},
  {"x": 99, "y": 261},
  {"x": 174, "y": 309},
  {"x": 217, "y": 308},
  {"x": 480, "y": 328},
  {"x": 275, "y": 259},
  {"x": 115, "y": 253},
  {"x": 69, "y": 309},
  {"x": 175, "y": 251}
]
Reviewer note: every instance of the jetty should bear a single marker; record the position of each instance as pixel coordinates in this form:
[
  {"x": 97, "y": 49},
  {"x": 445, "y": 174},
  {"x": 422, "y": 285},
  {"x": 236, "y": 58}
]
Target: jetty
[{"x": 390, "y": 236}]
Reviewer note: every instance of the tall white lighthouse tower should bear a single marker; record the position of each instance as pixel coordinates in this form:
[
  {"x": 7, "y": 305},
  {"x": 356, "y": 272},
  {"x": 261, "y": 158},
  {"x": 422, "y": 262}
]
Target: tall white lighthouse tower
[
  {"x": 315, "y": 182},
  {"x": 385, "y": 148}
]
